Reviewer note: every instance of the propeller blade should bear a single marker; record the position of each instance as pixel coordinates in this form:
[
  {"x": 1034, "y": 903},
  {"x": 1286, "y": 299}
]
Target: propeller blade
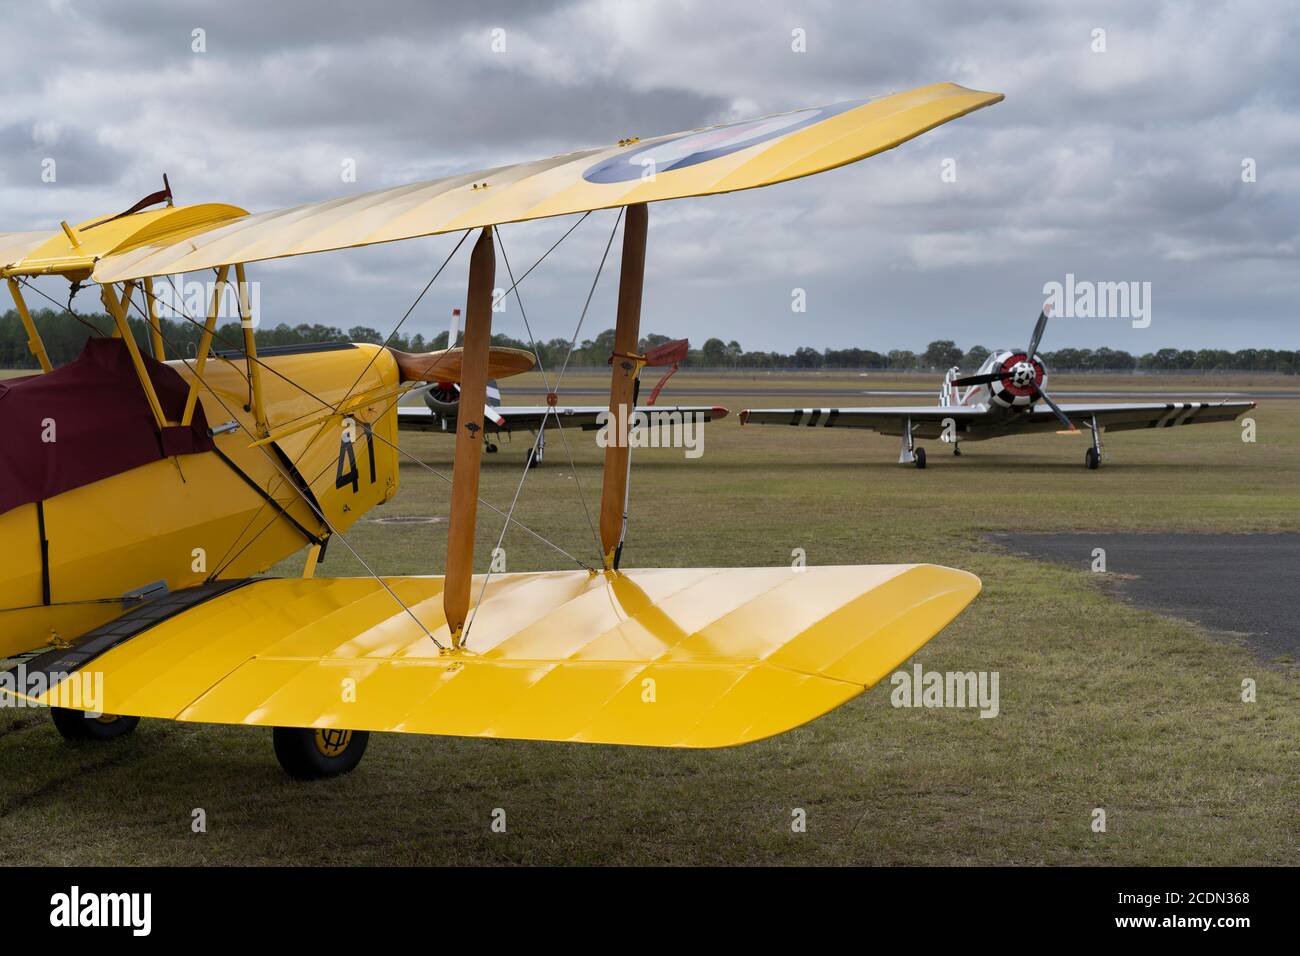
[
  {"x": 1039, "y": 328},
  {"x": 1039, "y": 393},
  {"x": 980, "y": 379},
  {"x": 488, "y": 410}
]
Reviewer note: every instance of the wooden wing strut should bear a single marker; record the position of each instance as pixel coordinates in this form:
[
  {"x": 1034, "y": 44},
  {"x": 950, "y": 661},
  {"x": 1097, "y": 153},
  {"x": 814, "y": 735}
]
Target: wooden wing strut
[
  {"x": 623, "y": 375},
  {"x": 469, "y": 435}
]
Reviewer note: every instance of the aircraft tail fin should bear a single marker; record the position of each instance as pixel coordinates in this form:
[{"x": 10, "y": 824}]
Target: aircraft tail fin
[{"x": 947, "y": 391}]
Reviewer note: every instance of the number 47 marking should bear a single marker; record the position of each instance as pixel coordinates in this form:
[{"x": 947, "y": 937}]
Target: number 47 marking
[{"x": 348, "y": 457}]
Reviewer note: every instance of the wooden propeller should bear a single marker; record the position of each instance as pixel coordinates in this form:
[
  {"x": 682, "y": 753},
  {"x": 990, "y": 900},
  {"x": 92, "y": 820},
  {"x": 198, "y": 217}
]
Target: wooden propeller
[{"x": 445, "y": 365}]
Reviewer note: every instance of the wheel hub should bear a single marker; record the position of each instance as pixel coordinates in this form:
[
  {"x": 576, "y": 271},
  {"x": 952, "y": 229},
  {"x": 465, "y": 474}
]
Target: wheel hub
[{"x": 332, "y": 743}]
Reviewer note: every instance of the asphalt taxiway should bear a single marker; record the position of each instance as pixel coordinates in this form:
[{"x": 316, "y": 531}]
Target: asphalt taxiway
[{"x": 1239, "y": 583}]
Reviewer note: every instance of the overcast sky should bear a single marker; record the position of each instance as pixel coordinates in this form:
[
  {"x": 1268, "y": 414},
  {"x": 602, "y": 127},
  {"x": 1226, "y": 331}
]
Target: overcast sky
[{"x": 1118, "y": 165}]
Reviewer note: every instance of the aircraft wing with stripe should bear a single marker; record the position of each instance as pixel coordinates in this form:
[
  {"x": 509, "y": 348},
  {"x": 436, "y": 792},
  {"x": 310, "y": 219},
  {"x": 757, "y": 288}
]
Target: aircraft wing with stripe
[
  {"x": 977, "y": 421},
  {"x": 530, "y": 417},
  {"x": 1124, "y": 417},
  {"x": 927, "y": 420}
]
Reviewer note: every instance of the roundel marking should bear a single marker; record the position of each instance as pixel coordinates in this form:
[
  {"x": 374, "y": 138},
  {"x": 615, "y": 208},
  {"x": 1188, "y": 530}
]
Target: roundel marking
[{"x": 690, "y": 149}]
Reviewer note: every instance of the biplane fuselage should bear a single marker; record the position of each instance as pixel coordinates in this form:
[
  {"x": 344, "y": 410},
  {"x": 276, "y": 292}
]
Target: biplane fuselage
[{"x": 182, "y": 520}]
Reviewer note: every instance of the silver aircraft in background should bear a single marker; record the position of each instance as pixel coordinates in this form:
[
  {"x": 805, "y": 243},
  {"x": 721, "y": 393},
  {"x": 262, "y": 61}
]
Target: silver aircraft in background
[
  {"x": 1006, "y": 396},
  {"x": 442, "y": 399}
]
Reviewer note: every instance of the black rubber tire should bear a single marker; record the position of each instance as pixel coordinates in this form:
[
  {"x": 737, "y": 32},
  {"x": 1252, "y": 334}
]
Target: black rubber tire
[
  {"x": 490, "y": 448},
  {"x": 1092, "y": 459},
  {"x": 75, "y": 725},
  {"x": 918, "y": 457},
  {"x": 299, "y": 754},
  {"x": 532, "y": 460}
]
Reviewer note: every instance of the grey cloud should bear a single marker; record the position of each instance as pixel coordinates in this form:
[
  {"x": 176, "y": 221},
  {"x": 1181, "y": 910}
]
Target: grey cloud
[{"x": 1117, "y": 165}]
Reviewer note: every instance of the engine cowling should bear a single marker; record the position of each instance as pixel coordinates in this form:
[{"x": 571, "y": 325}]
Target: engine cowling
[
  {"x": 1023, "y": 378},
  {"x": 442, "y": 398}
]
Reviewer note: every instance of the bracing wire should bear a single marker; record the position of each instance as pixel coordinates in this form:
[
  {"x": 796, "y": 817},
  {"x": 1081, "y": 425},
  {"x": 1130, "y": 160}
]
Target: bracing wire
[
  {"x": 316, "y": 509},
  {"x": 287, "y": 478},
  {"x": 564, "y": 440},
  {"x": 370, "y": 433},
  {"x": 524, "y": 477},
  {"x": 400, "y": 322}
]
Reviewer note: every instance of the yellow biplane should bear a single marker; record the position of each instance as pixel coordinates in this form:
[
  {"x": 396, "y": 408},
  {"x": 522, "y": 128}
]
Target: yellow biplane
[{"x": 143, "y": 494}]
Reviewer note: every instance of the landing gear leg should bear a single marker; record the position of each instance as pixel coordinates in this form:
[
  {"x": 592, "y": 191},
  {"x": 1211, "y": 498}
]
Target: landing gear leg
[
  {"x": 910, "y": 455},
  {"x": 1092, "y": 458},
  {"x": 537, "y": 454}
]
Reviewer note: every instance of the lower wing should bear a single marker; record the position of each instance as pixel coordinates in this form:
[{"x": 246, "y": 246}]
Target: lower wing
[{"x": 674, "y": 657}]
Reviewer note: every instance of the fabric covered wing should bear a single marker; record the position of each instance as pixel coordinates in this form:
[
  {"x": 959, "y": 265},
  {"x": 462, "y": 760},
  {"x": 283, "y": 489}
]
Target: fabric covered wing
[
  {"x": 927, "y": 420},
  {"x": 16, "y": 246},
  {"x": 664, "y": 657},
  {"x": 718, "y": 159}
]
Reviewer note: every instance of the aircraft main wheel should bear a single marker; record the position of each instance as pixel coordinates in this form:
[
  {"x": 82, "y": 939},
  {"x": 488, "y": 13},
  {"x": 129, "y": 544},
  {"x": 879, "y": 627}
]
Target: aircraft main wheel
[
  {"x": 75, "y": 725},
  {"x": 313, "y": 754},
  {"x": 918, "y": 457},
  {"x": 490, "y": 448},
  {"x": 956, "y": 451},
  {"x": 532, "y": 459},
  {"x": 1092, "y": 459}
]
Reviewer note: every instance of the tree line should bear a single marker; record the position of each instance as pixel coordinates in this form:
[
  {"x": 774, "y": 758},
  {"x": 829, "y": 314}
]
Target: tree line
[{"x": 64, "y": 337}]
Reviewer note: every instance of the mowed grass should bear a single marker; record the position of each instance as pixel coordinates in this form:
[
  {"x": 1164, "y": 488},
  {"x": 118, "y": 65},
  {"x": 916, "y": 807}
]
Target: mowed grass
[{"x": 1103, "y": 705}]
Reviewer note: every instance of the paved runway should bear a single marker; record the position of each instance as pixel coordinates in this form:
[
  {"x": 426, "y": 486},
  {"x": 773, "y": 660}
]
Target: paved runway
[{"x": 1244, "y": 583}]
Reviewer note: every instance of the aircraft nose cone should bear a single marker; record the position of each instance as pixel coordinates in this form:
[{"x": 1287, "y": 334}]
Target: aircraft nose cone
[{"x": 1022, "y": 374}]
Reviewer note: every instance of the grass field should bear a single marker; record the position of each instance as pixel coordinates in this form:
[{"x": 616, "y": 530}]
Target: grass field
[{"x": 1103, "y": 705}]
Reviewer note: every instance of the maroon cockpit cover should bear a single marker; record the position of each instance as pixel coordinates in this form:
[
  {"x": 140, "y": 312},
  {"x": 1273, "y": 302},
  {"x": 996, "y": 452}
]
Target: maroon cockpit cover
[{"x": 86, "y": 421}]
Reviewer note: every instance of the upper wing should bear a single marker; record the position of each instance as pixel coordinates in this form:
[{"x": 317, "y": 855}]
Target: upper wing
[
  {"x": 725, "y": 656},
  {"x": 927, "y": 420},
  {"x": 585, "y": 417},
  {"x": 15, "y": 246},
  {"x": 718, "y": 159}
]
